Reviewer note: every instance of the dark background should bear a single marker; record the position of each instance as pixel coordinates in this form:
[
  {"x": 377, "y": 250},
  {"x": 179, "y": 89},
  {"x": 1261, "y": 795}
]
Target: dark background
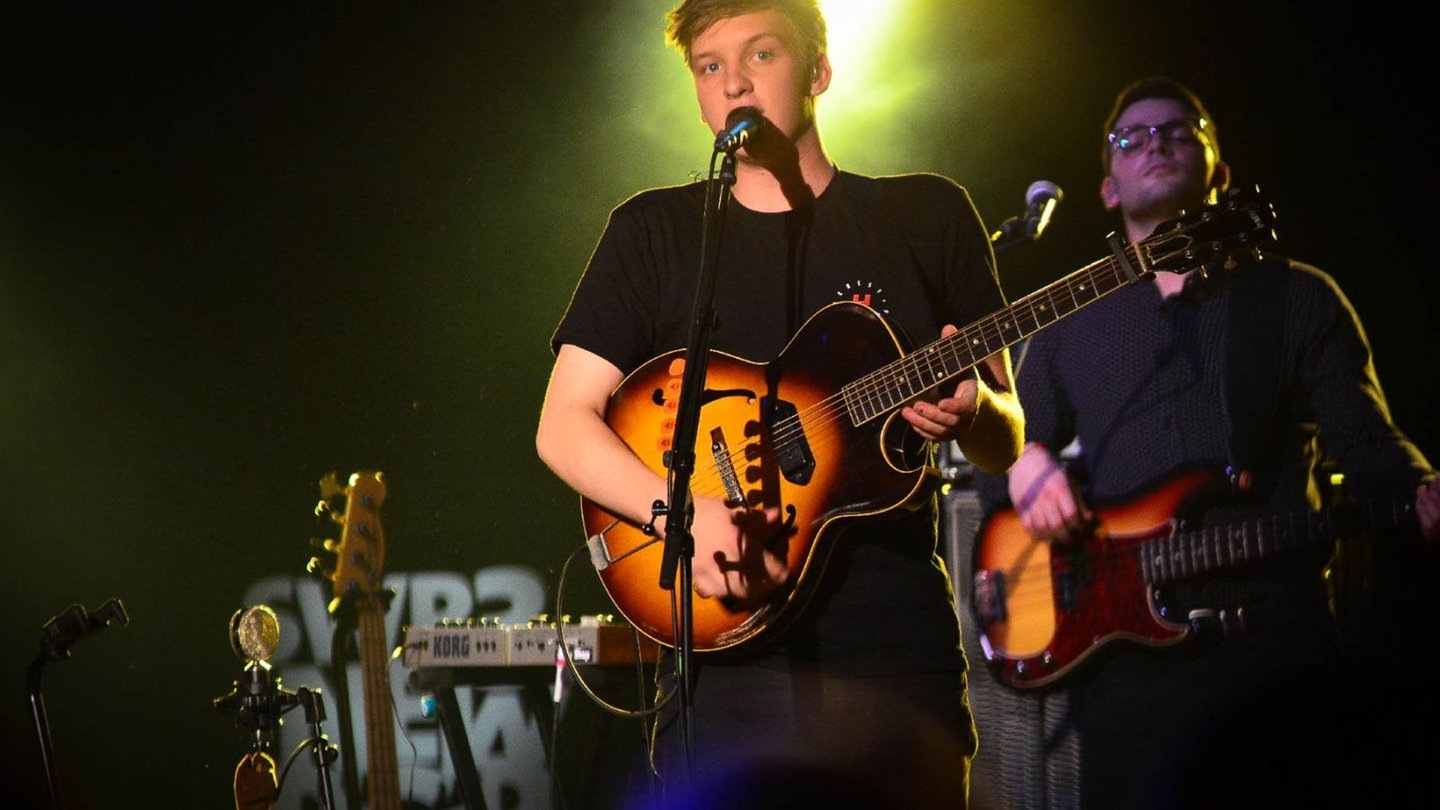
[{"x": 239, "y": 250}]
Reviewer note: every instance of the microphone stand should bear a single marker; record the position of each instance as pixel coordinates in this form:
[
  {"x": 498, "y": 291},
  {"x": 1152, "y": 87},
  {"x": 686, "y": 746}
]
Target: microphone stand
[
  {"x": 258, "y": 700},
  {"x": 42, "y": 727},
  {"x": 56, "y": 638},
  {"x": 342, "y": 647},
  {"x": 679, "y": 548},
  {"x": 320, "y": 747}
]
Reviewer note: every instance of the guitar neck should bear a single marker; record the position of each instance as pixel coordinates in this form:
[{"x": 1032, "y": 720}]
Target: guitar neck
[
  {"x": 897, "y": 383},
  {"x": 382, "y": 778},
  {"x": 358, "y": 579},
  {"x": 1206, "y": 238},
  {"x": 1187, "y": 554},
  {"x": 1182, "y": 555}
]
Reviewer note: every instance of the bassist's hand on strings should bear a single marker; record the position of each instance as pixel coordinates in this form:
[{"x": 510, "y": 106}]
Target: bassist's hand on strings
[
  {"x": 739, "y": 553},
  {"x": 1048, "y": 506}
]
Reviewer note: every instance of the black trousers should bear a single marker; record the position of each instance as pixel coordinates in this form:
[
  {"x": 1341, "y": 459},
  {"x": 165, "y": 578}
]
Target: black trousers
[{"x": 768, "y": 737}]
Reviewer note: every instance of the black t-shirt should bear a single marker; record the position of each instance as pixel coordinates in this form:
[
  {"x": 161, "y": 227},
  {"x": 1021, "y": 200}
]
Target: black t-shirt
[{"x": 911, "y": 247}]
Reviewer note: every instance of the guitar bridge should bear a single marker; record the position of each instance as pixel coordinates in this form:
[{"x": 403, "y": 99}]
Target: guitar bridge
[{"x": 720, "y": 450}]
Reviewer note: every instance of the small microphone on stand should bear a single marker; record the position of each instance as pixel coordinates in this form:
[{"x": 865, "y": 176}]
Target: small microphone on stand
[
  {"x": 1041, "y": 199},
  {"x": 258, "y": 699},
  {"x": 742, "y": 124}
]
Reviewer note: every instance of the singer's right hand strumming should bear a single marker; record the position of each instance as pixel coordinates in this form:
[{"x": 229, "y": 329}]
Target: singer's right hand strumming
[
  {"x": 731, "y": 560},
  {"x": 734, "y": 552}
]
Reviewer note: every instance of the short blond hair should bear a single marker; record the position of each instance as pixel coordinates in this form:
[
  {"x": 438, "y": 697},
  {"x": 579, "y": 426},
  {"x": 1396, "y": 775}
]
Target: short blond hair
[{"x": 689, "y": 19}]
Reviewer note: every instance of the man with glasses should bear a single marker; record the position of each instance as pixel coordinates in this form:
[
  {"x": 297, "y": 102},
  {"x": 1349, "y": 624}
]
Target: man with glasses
[{"x": 1261, "y": 373}]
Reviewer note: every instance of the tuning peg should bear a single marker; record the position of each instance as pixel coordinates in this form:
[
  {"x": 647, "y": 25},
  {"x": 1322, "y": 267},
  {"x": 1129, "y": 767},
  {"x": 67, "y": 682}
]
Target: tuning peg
[
  {"x": 317, "y": 568},
  {"x": 330, "y": 485}
]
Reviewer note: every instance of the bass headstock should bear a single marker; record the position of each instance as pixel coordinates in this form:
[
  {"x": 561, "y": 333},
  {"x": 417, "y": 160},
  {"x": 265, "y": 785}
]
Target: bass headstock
[{"x": 359, "y": 564}]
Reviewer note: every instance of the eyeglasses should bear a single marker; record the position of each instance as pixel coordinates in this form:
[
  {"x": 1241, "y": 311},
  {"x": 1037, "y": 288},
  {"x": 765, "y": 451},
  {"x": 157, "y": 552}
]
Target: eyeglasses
[{"x": 1128, "y": 140}]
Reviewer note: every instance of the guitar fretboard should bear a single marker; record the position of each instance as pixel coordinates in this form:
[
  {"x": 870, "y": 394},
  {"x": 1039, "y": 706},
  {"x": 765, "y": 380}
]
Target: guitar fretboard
[
  {"x": 905, "y": 379},
  {"x": 1189, "y": 554},
  {"x": 1196, "y": 241},
  {"x": 383, "y": 775},
  {"x": 1200, "y": 551}
]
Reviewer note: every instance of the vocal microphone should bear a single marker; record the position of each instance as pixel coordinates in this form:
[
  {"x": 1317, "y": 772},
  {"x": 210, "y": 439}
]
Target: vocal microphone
[
  {"x": 742, "y": 124},
  {"x": 1041, "y": 198}
]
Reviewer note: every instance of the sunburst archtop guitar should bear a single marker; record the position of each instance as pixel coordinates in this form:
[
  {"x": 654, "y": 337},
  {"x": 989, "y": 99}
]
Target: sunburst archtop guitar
[{"x": 816, "y": 431}]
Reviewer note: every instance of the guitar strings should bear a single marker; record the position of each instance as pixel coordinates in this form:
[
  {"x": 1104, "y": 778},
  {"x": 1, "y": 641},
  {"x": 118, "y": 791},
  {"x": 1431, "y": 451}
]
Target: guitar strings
[
  {"x": 1167, "y": 557},
  {"x": 956, "y": 350},
  {"x": 995, "y": 329},
  {"x": 989, "y": 330}
]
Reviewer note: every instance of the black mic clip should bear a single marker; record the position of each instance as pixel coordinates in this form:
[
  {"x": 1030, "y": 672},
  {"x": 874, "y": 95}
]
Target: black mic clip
[
  {"x": 258, "y": 701},
  {"x": 1011, "y": 231},
  {"x": 74, "y": 623}
]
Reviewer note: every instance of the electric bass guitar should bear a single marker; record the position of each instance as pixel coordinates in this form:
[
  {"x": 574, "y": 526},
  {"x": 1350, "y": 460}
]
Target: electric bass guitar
[
  {"x": 816, "y": 431},
  {"x": 1043, "y": 609},
  {"x": 358, "y": 587}
]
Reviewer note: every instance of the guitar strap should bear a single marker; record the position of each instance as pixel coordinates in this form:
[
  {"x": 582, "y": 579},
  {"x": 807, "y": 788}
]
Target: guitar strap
[{"x": 1250, "y": 387}]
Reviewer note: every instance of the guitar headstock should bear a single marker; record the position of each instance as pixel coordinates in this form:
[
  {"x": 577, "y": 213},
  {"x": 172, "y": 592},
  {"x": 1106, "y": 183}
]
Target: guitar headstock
[
  {"x": 1212, "y": 237},
  {"x": 360, "y": 551}
]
